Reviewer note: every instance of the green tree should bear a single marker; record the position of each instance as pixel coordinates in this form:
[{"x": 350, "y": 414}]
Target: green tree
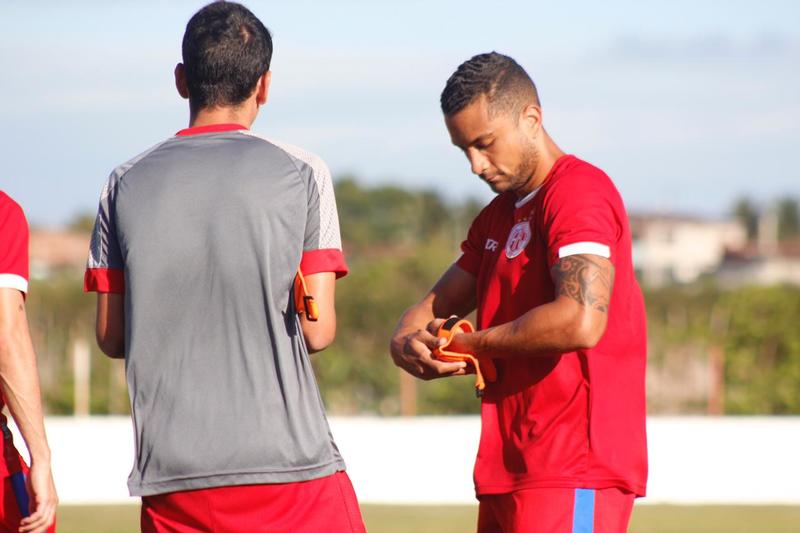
[
  {"x": 747, "y": 214},
  {"x": 60, "y": 313},
  {"x": 81, "y": 223},
  {"x": 788, "y": 219},
  {"x": 763, "y": 350},
  {"x": 397, "y": 243}
]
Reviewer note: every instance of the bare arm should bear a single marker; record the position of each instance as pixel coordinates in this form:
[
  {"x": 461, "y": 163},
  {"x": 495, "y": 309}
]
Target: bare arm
[
  {"x": 110, "y": 324},
  {"x": 320, "y": 334},
  {"x": 412, "y": 342},
  {"x": 19, "y": 381},
  {"x": 575, "y": 320}
]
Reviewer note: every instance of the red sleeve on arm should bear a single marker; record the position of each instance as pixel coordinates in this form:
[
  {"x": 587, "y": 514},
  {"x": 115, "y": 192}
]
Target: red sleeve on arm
[
  {"x": 104, "y": 280},
  {"x": 582, "y": 211},
  {"x": 105, "y": 270},
  {"x": 13, "y": 245},
  {"x": 472, "y": 247},
  {"x": 324, "y": 260}
]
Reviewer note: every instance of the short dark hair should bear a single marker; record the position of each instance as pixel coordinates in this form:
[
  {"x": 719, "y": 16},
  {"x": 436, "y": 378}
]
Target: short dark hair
[
  {"x": 225, "y": 50},
  {"x": 504, "y": 82}
]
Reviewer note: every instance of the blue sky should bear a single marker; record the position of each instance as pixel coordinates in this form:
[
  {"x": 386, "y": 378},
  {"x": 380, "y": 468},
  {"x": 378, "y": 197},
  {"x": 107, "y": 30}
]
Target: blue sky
[{"x": 687, "y": 105}]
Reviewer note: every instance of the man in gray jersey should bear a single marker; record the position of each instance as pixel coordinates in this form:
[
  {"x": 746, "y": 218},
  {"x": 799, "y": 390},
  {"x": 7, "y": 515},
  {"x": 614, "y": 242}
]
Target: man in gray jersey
[{"x": 194, "y": 253}]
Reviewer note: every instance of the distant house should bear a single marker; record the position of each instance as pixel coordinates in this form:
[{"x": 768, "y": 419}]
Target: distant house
[
  {"x": 55, "y": 250},
  {"x": 679, "y": 249},
  {"x": 779, "y": 268},
  {"x": 767, "y": 261}
]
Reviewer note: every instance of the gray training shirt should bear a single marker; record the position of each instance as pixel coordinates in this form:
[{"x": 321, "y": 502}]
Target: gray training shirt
[{"x": 203, "y": 234}]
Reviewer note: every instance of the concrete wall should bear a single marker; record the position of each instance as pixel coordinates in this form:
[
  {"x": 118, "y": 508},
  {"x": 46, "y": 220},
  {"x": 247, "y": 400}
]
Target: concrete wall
[{"x": 693, "y": 460}]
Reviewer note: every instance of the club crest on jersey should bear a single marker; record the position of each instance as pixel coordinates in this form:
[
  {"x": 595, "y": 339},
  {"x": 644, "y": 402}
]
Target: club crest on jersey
[{"x": 518, "y": 239}]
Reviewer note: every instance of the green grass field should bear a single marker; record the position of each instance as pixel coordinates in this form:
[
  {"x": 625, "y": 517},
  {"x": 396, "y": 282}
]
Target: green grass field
[{"x": 460, "y": 519}]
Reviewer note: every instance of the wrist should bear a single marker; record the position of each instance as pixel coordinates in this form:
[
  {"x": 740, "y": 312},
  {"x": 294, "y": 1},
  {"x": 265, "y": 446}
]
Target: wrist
[
  {"x": 478, "y": 342},
  {"x": 40, "y": 457},
  {"x": 471, "y": 343}
]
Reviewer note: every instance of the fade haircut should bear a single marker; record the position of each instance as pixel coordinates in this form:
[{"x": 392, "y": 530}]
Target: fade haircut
[
  {"x": 225, "y": 50},
  {"x": 507, "y": 86}
]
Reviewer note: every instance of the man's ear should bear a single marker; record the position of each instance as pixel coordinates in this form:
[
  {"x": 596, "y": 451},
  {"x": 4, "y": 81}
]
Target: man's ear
[
  {"x": 531, "y": 119},
  {"x": 262, "y": 88},
  {"x": 180, "y": 81}
]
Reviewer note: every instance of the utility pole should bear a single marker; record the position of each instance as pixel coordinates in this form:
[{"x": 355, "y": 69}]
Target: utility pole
[
  {"x": 716, "y": 389},
  {"x": 81, "y": 372},
  {"x": 718, "y": 330},
  {"x": 116, "y": 382}
]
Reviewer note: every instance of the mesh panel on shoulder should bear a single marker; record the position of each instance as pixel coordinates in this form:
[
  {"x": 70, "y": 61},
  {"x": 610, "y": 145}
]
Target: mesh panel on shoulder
[{"x": 329, "y": 234}]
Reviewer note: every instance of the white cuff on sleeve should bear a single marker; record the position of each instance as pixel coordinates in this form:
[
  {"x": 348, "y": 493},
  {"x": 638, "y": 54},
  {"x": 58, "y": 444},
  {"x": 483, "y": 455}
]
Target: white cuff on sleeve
[
  {"x": 593, "y": 248},
  {"x": 13, "y": 281}
]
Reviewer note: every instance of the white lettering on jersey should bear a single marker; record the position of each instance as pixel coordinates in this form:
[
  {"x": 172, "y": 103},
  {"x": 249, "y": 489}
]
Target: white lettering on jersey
[
  {"x": 491, "y": 245},
  {"x": 518, "y": 239}
]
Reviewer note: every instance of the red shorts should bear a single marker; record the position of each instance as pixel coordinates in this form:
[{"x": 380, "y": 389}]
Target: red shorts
[
  {"x": 326, "y": 504},
  {"x": 14, "y": 499},
  {"x": 10, "y": 515},
  {"x": 556, "y": 511}
]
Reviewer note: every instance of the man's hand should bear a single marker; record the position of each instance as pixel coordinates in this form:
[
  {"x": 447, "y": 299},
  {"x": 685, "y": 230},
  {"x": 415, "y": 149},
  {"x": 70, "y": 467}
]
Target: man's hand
[
  {"x": 415, "y": 337},
  {"x": 413, "y": 353},
  {"x": 42, "y": 491}
]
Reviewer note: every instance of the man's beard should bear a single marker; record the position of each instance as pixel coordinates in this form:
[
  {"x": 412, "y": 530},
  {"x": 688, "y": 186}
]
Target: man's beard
[{"x": 527, "y": 166}]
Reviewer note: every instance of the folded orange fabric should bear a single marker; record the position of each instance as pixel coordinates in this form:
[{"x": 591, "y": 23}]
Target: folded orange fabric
[
  {"x": 483, "y": 367},
  {"x": 304, "y": 302}
]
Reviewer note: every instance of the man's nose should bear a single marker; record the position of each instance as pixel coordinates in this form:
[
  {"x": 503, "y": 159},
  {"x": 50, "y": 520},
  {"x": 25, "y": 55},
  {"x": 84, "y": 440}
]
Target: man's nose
[{"x": 477, "y": 161}]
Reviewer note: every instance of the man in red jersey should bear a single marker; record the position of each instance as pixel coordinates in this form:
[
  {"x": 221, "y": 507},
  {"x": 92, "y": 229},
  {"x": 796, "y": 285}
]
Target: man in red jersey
[
  {"x": 28, "y": 497},
  {"x": 548, "y": 266}
]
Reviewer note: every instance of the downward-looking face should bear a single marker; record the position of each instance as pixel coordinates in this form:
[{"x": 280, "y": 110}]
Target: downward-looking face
[{"x": 497, "y": 145}]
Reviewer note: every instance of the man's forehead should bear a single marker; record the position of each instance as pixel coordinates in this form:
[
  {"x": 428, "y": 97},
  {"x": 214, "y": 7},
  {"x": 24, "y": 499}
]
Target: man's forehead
[{"x": 471, "y": 123}]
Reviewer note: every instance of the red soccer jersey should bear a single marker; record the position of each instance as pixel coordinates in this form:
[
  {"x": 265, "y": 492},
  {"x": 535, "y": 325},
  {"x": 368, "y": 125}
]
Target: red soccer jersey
[
  {"x": 572, "y": 419},
  {"x": 13, "y": 245},
  {"x": 13, "y": 275}
]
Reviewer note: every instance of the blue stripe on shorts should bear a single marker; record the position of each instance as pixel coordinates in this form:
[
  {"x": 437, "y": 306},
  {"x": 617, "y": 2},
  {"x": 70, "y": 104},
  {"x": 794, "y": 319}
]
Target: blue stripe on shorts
[
  {"x": 21, "y": 493},
  {"x": 583, "y": 514}
]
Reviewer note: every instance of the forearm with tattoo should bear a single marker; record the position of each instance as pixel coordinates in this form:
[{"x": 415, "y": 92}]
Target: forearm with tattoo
[
  {"x": 576, "y": 319},
  {"x": 585, "y": 279}
]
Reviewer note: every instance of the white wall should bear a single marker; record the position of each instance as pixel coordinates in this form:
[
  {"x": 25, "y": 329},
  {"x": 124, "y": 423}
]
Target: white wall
[{"x": 693, "y": 460}]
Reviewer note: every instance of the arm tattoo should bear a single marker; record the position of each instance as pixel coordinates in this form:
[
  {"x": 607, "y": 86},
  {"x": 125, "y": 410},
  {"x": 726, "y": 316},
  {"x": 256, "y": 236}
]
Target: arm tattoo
[{"x": 586, "y": 279}]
